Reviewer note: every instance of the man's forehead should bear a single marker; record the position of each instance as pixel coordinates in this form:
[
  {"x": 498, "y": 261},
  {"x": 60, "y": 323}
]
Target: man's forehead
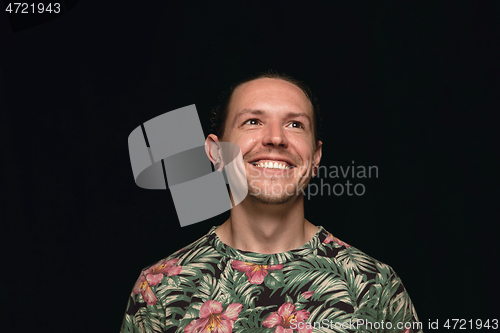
[
  {"x": 268, "y": 84},
  {"x": 270, "y": 90}
]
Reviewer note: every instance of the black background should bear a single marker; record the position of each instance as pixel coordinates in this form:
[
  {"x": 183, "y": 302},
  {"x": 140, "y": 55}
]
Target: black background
[{"x": 409, "y": 87}]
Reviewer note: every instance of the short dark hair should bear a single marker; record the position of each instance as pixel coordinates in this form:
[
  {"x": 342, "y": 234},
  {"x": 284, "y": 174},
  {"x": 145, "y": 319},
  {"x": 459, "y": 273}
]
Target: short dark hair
[{"x": 219, "y": 112}]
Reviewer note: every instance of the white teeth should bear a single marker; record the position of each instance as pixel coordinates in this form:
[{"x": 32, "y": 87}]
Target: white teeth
[{"x": 271, "y": 165}]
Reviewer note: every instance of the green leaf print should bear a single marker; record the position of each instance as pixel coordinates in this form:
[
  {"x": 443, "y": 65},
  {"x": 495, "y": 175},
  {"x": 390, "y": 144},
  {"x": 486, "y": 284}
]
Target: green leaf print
[
  {"x": 147, "y": 323},
  {"x": 208, "y": 288},
  {"x": 245, "y": 292},
  {"x": 251, "y": 318},
  {"x": 274, "y": 280},
  {"x": 357, "y": 260}
]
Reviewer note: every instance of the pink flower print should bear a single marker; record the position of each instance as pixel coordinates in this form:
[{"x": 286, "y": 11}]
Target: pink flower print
[
  {"x": 307, "y": 294},
  {"x": 285, "y": 317},
  {"x": 331, "y": 238},
  {"x": 255, "y": 272},
  {"x": 212, "y": 319},
  {"x": 155, "y": 273},
  {"x": 328, "y": 239},
  {"x": 341, "y": 243},
  {"x": 142, "y": 286}
]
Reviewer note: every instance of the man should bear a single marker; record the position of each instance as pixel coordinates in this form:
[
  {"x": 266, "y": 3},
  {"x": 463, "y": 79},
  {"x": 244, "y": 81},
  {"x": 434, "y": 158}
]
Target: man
[{"x": 267, "y": 268}]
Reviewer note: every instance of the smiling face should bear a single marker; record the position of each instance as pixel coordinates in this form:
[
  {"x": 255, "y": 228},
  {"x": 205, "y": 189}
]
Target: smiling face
[{"x": 271, "y": 120}]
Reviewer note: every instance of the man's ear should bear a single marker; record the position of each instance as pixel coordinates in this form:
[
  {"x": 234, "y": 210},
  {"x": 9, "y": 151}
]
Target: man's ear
[
  {"x": 213, "y": 151},
  {"x": 318, "y": 153}
]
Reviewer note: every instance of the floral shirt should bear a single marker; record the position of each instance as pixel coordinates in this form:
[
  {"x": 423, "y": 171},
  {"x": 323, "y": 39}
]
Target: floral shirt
[{"x": 324, "y": 286}]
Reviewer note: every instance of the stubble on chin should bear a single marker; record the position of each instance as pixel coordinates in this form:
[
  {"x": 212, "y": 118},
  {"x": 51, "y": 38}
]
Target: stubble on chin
[
  {"x": 272, "y": 200},
  {"x": 268, "y": 197}
]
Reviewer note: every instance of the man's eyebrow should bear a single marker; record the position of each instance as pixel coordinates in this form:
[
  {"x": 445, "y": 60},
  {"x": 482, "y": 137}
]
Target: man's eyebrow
[{"x": 245, "y": 111}]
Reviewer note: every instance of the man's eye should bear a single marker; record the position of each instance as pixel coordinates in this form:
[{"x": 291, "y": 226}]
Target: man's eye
[
  {"x": 299, "y": 124},
  {"x": 251, "y": 122}
]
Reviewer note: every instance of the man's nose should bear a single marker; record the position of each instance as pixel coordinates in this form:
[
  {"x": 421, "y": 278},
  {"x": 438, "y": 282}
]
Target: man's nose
[{"x": 275, "y": 136}]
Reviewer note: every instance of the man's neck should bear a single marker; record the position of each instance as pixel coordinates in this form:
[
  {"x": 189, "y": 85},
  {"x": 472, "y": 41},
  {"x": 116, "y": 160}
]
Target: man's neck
[{"x": 264, "y": 228}]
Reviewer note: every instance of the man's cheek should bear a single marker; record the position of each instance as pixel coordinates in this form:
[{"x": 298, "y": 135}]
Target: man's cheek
[{"x": 302, "y": 171}]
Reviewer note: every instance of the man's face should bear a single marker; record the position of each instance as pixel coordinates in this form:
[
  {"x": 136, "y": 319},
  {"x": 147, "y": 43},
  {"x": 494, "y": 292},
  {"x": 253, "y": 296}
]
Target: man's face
[{"x": 271, "y": 120}]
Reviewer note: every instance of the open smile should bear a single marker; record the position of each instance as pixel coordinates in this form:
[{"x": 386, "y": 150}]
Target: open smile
[{"x": 269, "y": 164}]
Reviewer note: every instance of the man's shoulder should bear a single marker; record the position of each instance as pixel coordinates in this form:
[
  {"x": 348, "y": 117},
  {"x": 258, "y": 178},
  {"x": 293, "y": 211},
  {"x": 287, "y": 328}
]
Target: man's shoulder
[
  {"x": 348, "y": 257},
  {"x": 179, "y": 256}
]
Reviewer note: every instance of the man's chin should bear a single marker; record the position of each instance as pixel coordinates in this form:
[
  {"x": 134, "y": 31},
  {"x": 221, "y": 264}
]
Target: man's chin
[{"x": 271, "y": 199}]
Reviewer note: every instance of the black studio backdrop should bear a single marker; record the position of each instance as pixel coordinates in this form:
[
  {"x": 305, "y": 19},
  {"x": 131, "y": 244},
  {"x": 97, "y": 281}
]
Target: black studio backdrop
[{"x": 407, "y": 87}]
